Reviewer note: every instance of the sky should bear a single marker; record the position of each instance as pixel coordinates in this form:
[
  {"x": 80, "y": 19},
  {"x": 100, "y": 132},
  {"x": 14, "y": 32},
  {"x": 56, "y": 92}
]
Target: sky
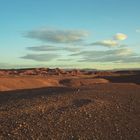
[{"x": 98, "y": 34}]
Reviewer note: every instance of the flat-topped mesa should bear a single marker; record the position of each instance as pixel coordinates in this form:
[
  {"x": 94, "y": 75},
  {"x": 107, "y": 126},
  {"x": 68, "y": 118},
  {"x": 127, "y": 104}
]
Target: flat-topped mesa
[
  {"x": 59, "y": 72},
  {"x": 56, "y": 71},
  {"x": 3, "y": 73},
  {"x": 8, "y": 72},
  {"x": 41, "y": 71},
  {"x": 74, "y": 72}
]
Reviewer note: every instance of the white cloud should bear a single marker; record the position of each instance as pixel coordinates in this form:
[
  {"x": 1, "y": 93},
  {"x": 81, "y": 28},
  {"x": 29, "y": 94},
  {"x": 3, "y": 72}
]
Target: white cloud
[
  {"x": 111, "y": 42},
  {"x": 41, "y": 57},
  {"x": 43, "y": 48},
  {"x": 57, "y": 36},
  {"x": 124, "y": 52},
  {"x": 118, "y": 52},
  {"x": 124, "y": 55},
  {"x": 120, "y": 36},
  {"x": 49, "y": 48},
  {"x": 106, "y": 43}
]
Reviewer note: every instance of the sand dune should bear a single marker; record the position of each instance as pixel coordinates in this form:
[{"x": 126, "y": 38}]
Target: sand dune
[
  {"x": 13, "y": 83},
  {"x": 77, "y": 82}
]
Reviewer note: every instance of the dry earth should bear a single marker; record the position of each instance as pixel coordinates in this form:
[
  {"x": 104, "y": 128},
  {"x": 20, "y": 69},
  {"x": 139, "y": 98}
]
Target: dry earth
[{"x": 70, "y": 108}]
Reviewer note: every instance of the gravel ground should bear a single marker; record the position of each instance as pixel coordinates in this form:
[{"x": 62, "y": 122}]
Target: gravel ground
[{"x": 101, "y": 112}]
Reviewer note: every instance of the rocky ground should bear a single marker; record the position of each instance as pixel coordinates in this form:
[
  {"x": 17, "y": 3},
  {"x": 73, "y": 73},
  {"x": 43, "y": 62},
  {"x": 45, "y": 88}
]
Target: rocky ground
[
  {"x": 69, "y": 106},
  {"x": 101, "y": 112}
]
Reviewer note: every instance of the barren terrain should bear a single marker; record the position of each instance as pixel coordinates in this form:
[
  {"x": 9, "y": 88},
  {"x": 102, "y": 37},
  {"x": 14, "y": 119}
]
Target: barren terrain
[{"x": 55, "y": 104}]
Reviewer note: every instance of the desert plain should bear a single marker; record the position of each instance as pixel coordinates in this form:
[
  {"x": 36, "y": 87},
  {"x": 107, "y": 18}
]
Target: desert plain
[{"x": 56, "y": 104}]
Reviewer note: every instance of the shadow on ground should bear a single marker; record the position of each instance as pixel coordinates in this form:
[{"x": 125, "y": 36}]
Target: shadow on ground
[
  {"x": 123, "y": 78},
  {"x": 5, "y": 96}
]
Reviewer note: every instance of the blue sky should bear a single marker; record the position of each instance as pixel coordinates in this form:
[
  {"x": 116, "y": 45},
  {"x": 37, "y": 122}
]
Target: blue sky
[{"x": 102, "y": 34}]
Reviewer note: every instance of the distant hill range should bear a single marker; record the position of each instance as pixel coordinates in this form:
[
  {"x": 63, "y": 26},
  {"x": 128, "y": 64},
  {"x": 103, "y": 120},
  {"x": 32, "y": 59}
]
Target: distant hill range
[{"x": 69, "y": 72}]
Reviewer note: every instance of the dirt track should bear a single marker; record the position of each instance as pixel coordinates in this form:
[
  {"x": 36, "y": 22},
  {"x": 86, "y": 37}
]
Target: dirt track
[{"x": 100, "y": 112}]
